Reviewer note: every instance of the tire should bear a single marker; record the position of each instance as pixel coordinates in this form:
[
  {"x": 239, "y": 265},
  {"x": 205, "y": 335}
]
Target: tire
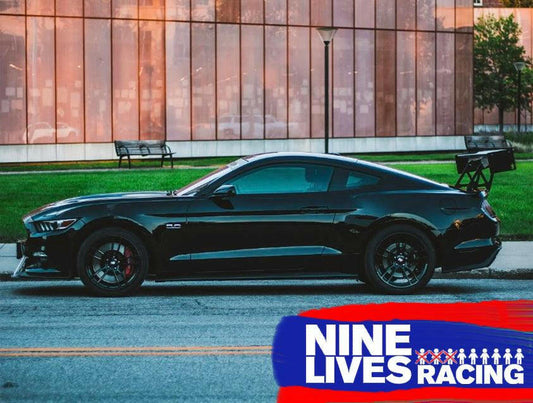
[
  {"x": 112, "y": 262},
  {"x": 399, "y": 259}
]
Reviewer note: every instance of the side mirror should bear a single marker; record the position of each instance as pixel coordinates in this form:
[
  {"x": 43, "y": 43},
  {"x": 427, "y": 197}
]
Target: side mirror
[{"x": 224, "y": 192}]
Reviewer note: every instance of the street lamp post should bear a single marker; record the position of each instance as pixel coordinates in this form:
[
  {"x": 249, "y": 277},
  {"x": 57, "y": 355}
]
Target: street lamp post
[
  {"x": 519, "y": 66},
  {"x": 326, "y": 34}
]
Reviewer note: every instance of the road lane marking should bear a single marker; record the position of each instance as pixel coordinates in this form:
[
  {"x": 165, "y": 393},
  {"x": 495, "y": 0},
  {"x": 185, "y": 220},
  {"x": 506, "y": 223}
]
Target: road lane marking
[{"x": 133, "y": 351}]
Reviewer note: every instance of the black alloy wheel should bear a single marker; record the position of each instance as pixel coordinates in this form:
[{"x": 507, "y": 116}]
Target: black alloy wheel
[
  {"x": 399, "y": 259},
  {"x": 113, "y": 262}
]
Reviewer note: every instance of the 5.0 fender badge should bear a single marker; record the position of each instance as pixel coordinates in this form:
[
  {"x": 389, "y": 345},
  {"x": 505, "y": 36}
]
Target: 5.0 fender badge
[{"x": 173, "y": 226}]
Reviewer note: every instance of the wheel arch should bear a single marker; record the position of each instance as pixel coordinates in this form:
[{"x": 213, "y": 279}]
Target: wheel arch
[{"x": 124, "y": 223}]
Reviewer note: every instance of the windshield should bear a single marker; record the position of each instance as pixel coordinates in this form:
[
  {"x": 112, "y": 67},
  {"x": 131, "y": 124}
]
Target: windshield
[{"x": 200, "y": 183}]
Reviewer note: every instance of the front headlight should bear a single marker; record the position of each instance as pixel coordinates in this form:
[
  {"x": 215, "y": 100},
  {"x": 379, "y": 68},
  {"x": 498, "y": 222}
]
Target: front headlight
[{"x": 54, "y": 225}]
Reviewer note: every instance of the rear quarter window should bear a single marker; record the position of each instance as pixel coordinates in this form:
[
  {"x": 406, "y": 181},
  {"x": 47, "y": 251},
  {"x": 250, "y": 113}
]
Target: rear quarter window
[{"x": 345, "y": 179}]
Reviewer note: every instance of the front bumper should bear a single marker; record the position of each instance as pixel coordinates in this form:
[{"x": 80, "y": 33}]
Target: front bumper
[{"x": 35, "y": 261}]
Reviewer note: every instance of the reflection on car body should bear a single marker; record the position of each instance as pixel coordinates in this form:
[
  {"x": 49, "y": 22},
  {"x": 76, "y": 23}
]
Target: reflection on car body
[{"x": 279, "y": 215}]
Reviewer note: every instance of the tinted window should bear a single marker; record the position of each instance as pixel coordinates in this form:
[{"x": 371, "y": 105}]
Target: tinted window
[
  {"x": 293, "y": 178},
  {"x": 351, "y": 180}
]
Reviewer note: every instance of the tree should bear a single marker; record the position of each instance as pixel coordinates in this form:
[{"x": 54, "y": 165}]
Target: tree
[
  {"x": 518, "y": 3},
  {"x": 496, "y": 49}
]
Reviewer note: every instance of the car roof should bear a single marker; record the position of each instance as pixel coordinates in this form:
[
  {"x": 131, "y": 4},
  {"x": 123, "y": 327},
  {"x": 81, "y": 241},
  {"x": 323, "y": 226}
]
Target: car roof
[{"x": 337, "y": 159}]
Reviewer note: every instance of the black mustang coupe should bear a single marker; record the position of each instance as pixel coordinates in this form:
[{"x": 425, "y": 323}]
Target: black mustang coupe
[{"x": 279, "y": 215}]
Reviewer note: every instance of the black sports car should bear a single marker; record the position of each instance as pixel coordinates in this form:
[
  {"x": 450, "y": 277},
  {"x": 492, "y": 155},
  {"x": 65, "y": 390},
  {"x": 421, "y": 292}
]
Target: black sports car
[{"x": 279, "y": 215}]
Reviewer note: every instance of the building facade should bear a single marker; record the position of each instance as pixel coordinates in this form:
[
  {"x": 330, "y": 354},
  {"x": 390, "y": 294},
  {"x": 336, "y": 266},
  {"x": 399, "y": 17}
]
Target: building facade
[{"x": 232, "y": 77}]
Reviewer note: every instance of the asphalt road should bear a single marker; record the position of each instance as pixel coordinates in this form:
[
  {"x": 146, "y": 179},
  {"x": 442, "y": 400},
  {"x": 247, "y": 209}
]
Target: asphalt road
[{"x": 194, "y": 341}]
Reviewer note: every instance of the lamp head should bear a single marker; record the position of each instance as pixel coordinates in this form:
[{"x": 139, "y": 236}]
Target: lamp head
[{"x": 326, "y": 34}]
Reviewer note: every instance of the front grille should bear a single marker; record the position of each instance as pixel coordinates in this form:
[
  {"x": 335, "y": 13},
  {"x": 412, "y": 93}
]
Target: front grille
[{"x": 44, "y": 226}]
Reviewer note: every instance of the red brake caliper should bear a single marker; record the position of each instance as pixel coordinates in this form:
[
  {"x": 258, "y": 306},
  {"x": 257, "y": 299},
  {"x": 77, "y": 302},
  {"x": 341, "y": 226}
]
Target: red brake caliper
[{"x": 128, "y": 270}]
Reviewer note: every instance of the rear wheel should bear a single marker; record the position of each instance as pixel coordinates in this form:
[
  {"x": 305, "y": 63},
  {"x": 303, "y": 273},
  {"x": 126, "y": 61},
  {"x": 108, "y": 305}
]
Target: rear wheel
[
  {"x": 113, "y": 262},
  {"x": 399, "y": 259}
]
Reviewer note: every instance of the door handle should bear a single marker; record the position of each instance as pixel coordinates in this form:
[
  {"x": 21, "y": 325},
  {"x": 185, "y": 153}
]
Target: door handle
[{"x": 313, "y": 209}]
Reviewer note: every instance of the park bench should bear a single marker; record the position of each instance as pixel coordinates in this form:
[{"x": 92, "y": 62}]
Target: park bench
[
  {"x": 143, "y": 148},
  {"x": 487, "y": 142}
]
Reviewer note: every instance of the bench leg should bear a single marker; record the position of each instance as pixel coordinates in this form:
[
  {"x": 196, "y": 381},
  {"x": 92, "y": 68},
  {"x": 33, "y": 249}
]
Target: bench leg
[
  {"x": 120, "y": 161},
  {"x": 162, "y": 160},
  {"x": 129, "y": 162},
  {"x": 171, "y": 162}
]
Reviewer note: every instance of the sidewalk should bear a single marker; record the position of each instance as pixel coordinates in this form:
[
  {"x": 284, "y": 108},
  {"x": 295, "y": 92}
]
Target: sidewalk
[{"x": 515, "y": 261}]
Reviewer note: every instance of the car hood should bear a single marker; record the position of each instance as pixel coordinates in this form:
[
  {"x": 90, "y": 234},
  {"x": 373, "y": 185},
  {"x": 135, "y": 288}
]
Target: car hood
[{"x": 56, "y": 208}]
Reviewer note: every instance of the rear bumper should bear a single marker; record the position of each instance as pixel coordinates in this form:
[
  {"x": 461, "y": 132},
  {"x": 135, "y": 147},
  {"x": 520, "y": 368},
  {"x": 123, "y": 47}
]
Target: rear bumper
[{"x": 474, "y": 254}]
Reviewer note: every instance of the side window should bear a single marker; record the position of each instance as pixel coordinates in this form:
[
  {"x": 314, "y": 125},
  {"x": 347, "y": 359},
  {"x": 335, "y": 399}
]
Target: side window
[
  {"x": 345, "y": 179},
  {"x": 286, "y": 178}
]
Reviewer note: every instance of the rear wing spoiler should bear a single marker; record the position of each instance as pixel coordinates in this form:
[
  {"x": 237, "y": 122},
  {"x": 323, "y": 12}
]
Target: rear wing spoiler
[{"x": 476, "y": 170}]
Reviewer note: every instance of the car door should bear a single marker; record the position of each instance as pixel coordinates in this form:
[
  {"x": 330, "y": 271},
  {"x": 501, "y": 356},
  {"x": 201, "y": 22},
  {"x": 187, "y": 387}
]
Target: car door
[{"x": 276, "y": 219}]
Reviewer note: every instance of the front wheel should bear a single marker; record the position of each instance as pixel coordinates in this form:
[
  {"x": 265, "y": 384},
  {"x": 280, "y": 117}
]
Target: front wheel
[
  {"x": 112, "y": 262},
  {"x": 399, "y": 259}
]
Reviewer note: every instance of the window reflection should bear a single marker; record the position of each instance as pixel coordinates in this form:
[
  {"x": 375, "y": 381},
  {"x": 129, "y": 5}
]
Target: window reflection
[
  {"x": 125, "y": 8},
  {"x": 228, "y": 76},
  {"x": 364, "y": 83},
  {"x": 203, "y": 81},
  {"x": 385, "y": 84},
  {"x": 228, "y": 10},
  {"x": 178, "y": 82},
  {"x": 406, "y": 84},
  {"x": 97, "y": 80},
  {"x": 41, "y": 85},
  {"x": 97, "y": 8},
  {"x": 151, "y": 80},
  {"x": 276, "y": 11},
  {"x": 252, "y": 11},
  {"x": 40, "y": 7},
  {"x": 69, "y": 111},
  {"x": 69, "y": 8},
  {"x": 343, "y": 14},
  {"x": 177, "y": 9},
  {"x": 299, "y": 86},
  {"x": 445, "y": 84},
  {"x": 463, "y": 82},
  {"x": 151, "y": 9},
  {"x": 12, "y": 81},
  {"x": 445, "y": 15},
  {"x": 203, "y": 10},
  {"x": 252, "y": 82},
  {"x": 386, "y": 14},
  {"x": 321, "y": 12},
  {"x": 125, "y": 80},
  {"x": 276, "y": 81},
  {"x": 12, "y": 7},
  {"x": 343, "y": 96},
  {"x": 426, "y": 83},
  {"x": 298, "y": 12},
  {"x": 364, "y": 13}
]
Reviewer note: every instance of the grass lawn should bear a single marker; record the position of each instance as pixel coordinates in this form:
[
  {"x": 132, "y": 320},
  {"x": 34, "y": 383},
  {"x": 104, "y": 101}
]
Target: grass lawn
[{"x": 511, "y": 194}]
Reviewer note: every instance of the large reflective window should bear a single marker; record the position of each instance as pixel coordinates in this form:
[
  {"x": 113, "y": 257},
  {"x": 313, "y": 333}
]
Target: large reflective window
[
  {"x": 41, "y": 83},
  {"x": 298, "y": 12},
  {"x": 386, "y": 14},
  {"x": 343, "y": 13},
  {"x": 252, "y": 82},
  {"x": 151, "y": 9},
  {"x": 228, "y": 80},
  {"x": 151, "y": 80},
  {"x": 321, "y": 12},
  {"x": 364, "y": 83},
  {"x": 318, "y": 86},
  {"x": 252, "y": 11},
  {"x": 464, "y": 15},
  {"x": 203, "y": 82},
  {"x": 276, "y": 11},
  {"x": 97, "y": 8},
  {"x": 228, "y": 10},
  {"x": 125, "y": 9},
  {"x": 69, "y": 8},
  {"x": 203, "y": 10},
  {"x": 445, "y": 15},
  {"x": 40, "y": 7},
  {"x": 385, "y": 83},
  {"x": 97, "y": 80},
  {"x": 125, "y": 80},
  {"x": 406, "y": 14},
  {"x": 425, "y": 81},
  {"x": 13, "y": 7},
  {"x": 69, "y": 74},
  {"x": 364, "y": 13},
  {"x": 406, "y": 84},
  {"x": 178, "y": 81},
  {"x": 445, "y": 84},
  {"x": 343, "y": 97},
  {"x": 12, "y": 81},
  {"x": 426, "y": 15},
  {"x": 276, "y": 81},
  {"x": 178, "y": 9},
  {"x": 463, "y": 84},
  {"x": 299, "y": 82}
]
